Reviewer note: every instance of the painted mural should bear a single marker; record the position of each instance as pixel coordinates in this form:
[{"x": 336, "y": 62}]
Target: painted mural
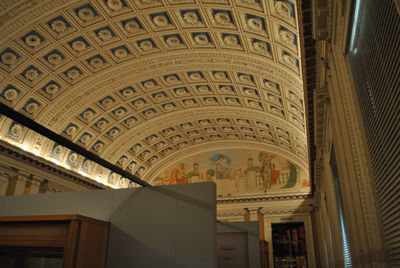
[{"x": 238, "y": 173}]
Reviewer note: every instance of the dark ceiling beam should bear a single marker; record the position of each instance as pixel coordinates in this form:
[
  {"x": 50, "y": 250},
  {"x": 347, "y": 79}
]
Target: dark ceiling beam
[{"x": 31, "y": 124}]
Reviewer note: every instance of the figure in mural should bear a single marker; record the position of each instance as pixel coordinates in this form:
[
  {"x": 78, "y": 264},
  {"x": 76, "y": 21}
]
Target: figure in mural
[
  {"x": 222, "y": 168},
  {"x": 236, "y": 173},
  {"x": 178, "y": 175},
  {"x": 292, "y": 176},
  {"x": 269, "y": 173}
]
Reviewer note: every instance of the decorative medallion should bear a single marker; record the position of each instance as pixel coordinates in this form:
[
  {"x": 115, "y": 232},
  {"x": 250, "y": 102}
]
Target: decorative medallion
[
  {"x": 222, "y": 18},
  {"x": 114, "y": 4},
  {"x": 105, "y": 34},
  {"x": 85, "y": 14},
  {"x": 10, "y": 94},
  {"x": 58, "y": 26},
  {"x": 9, "y": 58},
  {"x": 282, "y": 8},
  {"x": 190, "y": 17}
]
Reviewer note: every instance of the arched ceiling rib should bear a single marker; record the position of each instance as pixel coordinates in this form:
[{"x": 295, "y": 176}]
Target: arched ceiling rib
[{"x": 166, "y": 75}]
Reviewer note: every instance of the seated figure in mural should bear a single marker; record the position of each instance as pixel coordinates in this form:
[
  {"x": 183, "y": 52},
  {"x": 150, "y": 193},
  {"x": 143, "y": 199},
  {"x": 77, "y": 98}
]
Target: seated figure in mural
[{"x": 222, "y": 168}]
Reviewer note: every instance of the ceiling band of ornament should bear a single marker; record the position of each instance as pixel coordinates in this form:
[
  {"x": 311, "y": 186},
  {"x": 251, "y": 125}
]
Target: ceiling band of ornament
[{"x": 80, "y": 96}]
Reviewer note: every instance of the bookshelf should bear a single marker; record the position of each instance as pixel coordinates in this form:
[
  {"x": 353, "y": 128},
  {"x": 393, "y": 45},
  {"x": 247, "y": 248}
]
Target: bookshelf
[{"x": 289, "y": 245}]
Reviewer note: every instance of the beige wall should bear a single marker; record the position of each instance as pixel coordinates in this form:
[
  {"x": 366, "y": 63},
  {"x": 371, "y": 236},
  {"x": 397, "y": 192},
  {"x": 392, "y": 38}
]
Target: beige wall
[{"x": 341, "y": 126}]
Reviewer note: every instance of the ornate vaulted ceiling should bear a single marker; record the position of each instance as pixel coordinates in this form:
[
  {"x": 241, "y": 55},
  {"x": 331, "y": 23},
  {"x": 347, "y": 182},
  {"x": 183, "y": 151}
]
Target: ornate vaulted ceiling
[{"x": 145, "y": 83}]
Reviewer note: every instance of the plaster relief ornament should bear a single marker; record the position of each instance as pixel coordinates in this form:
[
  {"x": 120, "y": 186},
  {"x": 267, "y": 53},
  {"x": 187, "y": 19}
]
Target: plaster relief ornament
[
  {"x": 225, "y": 89},
  {"x": 254, "y": 104},
  {"x": 51, "y": 89},
  {"x": 87, "y": 164},
  {"x": 131, "y": 121},
  {"x": 219, "y": 75},
  {"x": 149, "y": 113},
  {"x": 73, "y": 157},
  {"x": 101, "y": 124},
  {"x": 104, "y": 35},
  {"x": 176, "y": 138},
  {"x": 31, "y": 74},
  {"x": 222, "y": 18},
  {"x": 113, "y": 133},
  {"x": 228, "y": 129},
  {"x": 88, "y": 114},
  {"x": 181, "y": 92},
  {"x": 122, "y": 161},
  {"x": 201, "y": 39},
  {"x": 282, "y": 8},
  {"x": 132, "y": 27},
  {"x": 186, "y": 126},
  {"x": 96, "y": 62},
  {"x": 286, "y": 36},
  {"x": 120, "y": 53},
  {"x": 114, "y": 4},
  {"x": 10, "y": 94},
  {"x": 254, "y": 24},
  {"x": 173, "y": 41},
  {"x": 160, "y": 97},
  {"x": 139, "y": 103},
  {"x": 269, "y": 84},
  {"x": 231, "y": 41},
  {"x": 249, "y": 92},
  {"x": 58, "y": 26},
  {"x": 9, "y": 58},
  {"x": 16, "y": 130},
  {"x": 146, "y": 45},
  {"x": 54, "y": 59},
  {"x": 73, "y": 74},
  {"x": 85, "y": 14},
  {"x": 171, "y": 79},
  {"x": 58, "y": 150},
  {"x": 132, "y": 167},
  {"x": 260, "y": 47},
  {"x": 32, "y": 40},
  {"x": 245, "y": 78},
  {"x": 149, "y": 84},
  {"x": 232, "y": 101},
  {"x": 140, "y": 170},
  {"x": 160, "y": 21},
  {"x": 160, "y": 144},
  {"x": 136, "y": 148},
  {"x": 169, "y": 107},
  {"x": 210, "y": 101},
  {"x": 85, "y": 139},
  {"x": 107, "y": 102},
  {"x": 205, "y": 122},
  {"x": 127, "y": 92},
  {"x": 190, "y": 17},
  {"x": 195, "y": 76},
  {"x": 78, "y": 45},
  {"x": 249, "y": 2},
  {"x": 71, "y": 130},
  {"x": 289, "y": 60},
  {"x": 189, "y": 103},
  {"x": 120, "y": 112}
]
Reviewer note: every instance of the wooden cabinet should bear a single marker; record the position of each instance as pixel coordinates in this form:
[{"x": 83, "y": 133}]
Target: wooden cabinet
[{"x": 53, "y": 241}]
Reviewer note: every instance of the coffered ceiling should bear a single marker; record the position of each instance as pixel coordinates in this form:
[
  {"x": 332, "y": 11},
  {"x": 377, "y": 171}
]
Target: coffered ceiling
[{"x": 142, "y": 83}]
